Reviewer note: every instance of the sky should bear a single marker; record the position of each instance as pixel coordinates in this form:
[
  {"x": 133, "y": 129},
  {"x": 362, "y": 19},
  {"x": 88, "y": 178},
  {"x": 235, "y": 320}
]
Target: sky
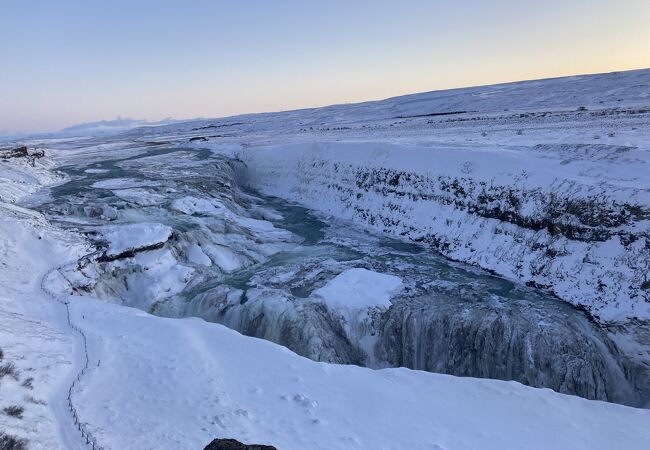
[{"x": 65, "y": 62}]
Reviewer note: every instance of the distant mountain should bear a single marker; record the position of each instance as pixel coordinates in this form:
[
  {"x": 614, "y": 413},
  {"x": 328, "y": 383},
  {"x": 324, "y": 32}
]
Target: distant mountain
[{"x": 111, "y": 126}]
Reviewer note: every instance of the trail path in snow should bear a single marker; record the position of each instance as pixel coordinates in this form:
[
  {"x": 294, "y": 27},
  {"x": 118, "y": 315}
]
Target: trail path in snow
[{"x": 73, "y": 432}]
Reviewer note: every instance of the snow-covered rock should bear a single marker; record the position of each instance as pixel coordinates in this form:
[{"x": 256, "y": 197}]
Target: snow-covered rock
[
  {"x": 22, "y": 173},
  {"x": 192, "y": 205},
  {"x": 121, "y": 183},
  {"x": 359, "y": 289},
  {"x": 132, "y": 237},
  {"x": 140, "y": 196}
]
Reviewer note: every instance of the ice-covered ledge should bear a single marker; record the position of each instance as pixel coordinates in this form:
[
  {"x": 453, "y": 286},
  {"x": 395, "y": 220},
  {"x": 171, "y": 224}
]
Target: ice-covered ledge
[{"x": 573, "y": 218}]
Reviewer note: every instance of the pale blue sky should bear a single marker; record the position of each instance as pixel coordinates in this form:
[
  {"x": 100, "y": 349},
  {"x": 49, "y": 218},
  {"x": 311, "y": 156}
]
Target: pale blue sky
[{"x": 65, "y": 62}]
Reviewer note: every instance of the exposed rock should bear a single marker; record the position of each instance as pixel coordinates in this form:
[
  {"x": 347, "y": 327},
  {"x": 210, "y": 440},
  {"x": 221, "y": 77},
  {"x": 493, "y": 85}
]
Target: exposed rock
[
  {"x": 232, "y": 444},
  {"x": 21, "y": 152},
  {"x": 130, "y": 253},
  {"x": 18, "y": 152}
]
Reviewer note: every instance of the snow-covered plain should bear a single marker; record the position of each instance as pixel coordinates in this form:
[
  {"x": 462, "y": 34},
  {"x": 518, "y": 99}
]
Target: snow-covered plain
[{"x": 471, "y": 172}]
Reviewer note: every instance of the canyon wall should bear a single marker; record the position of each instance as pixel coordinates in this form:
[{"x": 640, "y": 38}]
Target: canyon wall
[{"x": 570, "y": 218}]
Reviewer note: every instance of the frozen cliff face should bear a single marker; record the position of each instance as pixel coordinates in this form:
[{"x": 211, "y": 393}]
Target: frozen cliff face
[
  {"x": 508, "y": 341},
  {"x": 308, "y": 329},
  {"x": 479, "y": 328}
]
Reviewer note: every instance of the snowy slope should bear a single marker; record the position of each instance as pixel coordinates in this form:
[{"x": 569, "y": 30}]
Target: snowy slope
[
  {"x": 178, "y": 383},
  {"x": 33, "y": 335},
  {"x": 22, "y": 175},
  {"x": 621, "y": 90}
]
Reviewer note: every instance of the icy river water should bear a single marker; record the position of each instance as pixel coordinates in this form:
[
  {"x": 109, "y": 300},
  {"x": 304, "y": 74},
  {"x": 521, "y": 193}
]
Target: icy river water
[{"x": 256, "y": 264}]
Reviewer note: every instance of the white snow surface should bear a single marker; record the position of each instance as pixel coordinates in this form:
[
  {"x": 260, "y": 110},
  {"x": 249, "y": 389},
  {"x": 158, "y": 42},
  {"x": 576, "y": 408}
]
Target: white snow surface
[
  {"x": 204, "y": 206},
  {"x": 133, "y": 236},
  {"x": 178, "y": 383},
  {"x": 359, "y": 288},
  {"x": 140, "y": 196},
  {"x": 19, "y": 178},
  {"x": 33, "y": 333}
]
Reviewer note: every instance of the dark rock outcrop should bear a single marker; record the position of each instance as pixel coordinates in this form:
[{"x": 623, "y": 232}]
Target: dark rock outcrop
[
  {"x": 21, "y": 152},
  {"x": 232, "y": 444},
  {"x": 18, "y": 152}
]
